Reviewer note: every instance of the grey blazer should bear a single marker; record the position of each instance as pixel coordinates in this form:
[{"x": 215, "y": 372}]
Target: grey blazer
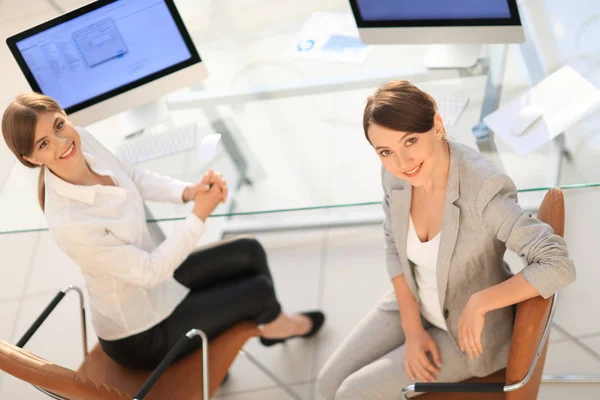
[{"x": 481, "y": 220}]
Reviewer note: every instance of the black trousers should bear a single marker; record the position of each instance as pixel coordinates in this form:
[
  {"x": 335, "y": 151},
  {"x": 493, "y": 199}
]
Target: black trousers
[{"x": 230, "y": 282}]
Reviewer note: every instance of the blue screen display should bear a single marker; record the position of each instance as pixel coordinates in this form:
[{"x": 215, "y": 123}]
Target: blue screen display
[
  {"x": 387, "y": 10},
  {"x": 104, "y": 49}
]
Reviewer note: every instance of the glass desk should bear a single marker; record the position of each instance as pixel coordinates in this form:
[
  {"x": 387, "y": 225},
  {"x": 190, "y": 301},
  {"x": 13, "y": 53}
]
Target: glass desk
[{"x": 292, "y": 131}]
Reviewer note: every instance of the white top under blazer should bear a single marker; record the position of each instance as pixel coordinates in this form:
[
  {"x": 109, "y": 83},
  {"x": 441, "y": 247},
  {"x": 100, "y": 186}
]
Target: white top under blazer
[{"x": 424, "y": 255}]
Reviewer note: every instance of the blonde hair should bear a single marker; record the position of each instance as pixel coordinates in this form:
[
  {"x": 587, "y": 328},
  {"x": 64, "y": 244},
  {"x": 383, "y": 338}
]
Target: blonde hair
[{"x": 18, "y": 128}]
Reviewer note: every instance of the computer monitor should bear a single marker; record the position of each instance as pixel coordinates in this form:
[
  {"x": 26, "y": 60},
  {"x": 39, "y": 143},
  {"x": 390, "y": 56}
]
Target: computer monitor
[
  {"x": 108, "y": 57},
  {"x": 460, "y": 22}
]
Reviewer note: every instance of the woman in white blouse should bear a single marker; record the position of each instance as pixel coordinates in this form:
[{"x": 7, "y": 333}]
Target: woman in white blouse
[{"x": 143, "y": 296}]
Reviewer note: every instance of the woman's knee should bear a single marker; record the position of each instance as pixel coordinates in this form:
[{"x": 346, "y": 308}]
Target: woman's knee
[
  {"x": 351, "y": 390},
  {"x": 328, "y": 382},
  {"x": 375, "y": 381},
  {"x": 248, "y": 243},
  {"x": 262, "y": 287},
  {"x": 251, "y": 248}
]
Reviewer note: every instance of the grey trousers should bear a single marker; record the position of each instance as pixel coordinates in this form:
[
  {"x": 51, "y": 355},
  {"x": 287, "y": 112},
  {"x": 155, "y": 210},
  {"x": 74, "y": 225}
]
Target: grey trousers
[{"x": 369, "y": 364}]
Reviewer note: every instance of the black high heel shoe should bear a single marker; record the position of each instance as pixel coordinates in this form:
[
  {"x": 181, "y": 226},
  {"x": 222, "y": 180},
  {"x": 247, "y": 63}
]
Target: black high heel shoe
[{"x": 317, "y": 318}]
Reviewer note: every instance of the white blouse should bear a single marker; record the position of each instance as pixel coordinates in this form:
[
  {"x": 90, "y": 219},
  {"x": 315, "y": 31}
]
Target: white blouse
[
  {"x": 424, "y": 256},
  {"x": 103, "y": 229}
]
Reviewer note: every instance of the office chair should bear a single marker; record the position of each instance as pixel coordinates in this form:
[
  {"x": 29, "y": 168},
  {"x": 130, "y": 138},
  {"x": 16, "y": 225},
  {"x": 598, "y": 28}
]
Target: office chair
[
  {"x": 101, "y": 378},
  {"x": 521, "y": 379}
]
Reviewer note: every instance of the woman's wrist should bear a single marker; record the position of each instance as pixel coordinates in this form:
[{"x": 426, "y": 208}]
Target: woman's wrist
[
  {"x": 412, "y": 327},
  {"x": 185, "y": 195},
  {"x": 479, "y": 303}
]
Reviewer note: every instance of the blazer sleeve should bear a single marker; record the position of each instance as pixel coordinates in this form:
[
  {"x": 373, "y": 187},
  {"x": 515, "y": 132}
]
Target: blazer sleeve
[
  {"x": 394, "y": 267},
  {"x": 549, "y": 266}
]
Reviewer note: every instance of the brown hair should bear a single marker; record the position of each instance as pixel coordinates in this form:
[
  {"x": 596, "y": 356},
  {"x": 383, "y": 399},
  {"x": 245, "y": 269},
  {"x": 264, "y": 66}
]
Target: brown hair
[
  {"x": 401, "y": 106},
  {"x": 18, "y": 128}
]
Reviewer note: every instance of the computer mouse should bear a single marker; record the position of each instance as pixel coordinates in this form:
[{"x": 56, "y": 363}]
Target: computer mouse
[
  {"x": 208, "y": 147},
  {"x": 524, "y": 119}
]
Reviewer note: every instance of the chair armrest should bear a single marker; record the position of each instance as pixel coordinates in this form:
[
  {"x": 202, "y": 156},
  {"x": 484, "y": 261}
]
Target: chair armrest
[
  {"x": 171, "y": 357},
  {"x": 48, "y": 310},
  {"x": 459, "y": 387}
]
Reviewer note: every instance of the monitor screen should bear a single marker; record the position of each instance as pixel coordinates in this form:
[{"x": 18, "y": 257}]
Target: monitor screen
[
  {"x": 434, "y": 12},
  {"x": 103, "y": 49},
  {"x": 432, "y": 9}
]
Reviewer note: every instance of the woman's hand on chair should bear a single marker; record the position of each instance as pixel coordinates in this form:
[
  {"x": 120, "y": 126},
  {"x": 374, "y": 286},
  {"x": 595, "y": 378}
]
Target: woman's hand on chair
[
  {"x": 417, "y": 364},
  {"x": 470, "y": 328}
]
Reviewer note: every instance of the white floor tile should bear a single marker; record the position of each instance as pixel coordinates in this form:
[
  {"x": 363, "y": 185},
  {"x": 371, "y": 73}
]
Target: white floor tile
[
  {"x": 355, "y": 279},
  {"x": 58, "y": 340},
  {"x": 567, "y": 359},
  {"x": 17, "y": 251},
  {"x": 296, "y": 268},
  {"x": 593, "y": 342},
  {"x": 559, "y": 391},
  {"x": 13, "y": 388},
  {"x": 303, "y": 390},
  {"x": 8, "y": 316},
  {"x": 556, "y": 336},
  {"x": 581, "y": 234},
  {"x": 52, "y": 269},
  {"x": 295, "y": 264}
]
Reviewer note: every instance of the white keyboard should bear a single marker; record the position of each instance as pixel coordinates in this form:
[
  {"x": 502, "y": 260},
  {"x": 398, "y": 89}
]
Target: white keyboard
[
  {"x": 450, "y": 107},
  {"x": 155, "y": 145}
]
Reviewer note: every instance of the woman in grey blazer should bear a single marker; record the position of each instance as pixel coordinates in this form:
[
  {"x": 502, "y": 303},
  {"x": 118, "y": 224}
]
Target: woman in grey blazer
[{"x": 449, "y": 315}]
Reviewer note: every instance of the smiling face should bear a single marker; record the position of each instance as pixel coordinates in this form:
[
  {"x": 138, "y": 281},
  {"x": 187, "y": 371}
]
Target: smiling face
[
  {"x": 413, "y": 157},
  {"x": 57, "y": 144}
]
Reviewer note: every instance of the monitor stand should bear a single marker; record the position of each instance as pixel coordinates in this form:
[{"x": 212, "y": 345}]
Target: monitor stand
[
  {"x": 133, "y": 122},
  {"x": 452, "y": 56}
]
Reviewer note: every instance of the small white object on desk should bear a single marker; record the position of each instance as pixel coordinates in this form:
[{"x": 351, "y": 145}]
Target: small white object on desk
[
  {"x": 545, "y": 111},
  {"x": 208, "y": 148},
  {"x": 525, "y": 119}
]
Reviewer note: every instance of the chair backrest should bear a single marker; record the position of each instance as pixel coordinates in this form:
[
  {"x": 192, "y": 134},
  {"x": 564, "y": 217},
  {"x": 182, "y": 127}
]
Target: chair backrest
[
  {"x": 58, "y": 380},
  {"x": 532, "y": 315}
]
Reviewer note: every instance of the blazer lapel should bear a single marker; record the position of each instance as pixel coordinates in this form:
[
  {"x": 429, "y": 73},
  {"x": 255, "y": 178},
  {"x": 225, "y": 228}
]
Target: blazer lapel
[
  {"x": 401, "y": 199},
  {"x": 449, "y": 225}
]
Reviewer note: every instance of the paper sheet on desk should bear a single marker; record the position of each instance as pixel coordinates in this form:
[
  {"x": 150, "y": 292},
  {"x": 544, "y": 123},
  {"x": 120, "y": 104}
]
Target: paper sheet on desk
[
  {"x": 330, "y": 37},
  {"x": 565, "y": 97}
]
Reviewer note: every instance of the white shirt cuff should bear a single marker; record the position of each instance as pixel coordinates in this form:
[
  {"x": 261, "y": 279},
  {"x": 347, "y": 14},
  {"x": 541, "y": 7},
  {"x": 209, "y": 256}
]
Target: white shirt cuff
[
  {"x": 176, "y": 188},
  {"x": 195, "y": 224}
]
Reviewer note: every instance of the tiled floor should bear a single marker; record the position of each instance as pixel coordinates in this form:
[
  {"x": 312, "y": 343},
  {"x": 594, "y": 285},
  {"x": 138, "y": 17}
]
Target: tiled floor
[{"x": 340, "y": 271}]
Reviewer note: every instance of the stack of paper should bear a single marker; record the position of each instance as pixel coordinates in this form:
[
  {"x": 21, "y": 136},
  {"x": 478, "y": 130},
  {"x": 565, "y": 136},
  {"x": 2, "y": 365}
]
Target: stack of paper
[{"x": 564, "y": 98}]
